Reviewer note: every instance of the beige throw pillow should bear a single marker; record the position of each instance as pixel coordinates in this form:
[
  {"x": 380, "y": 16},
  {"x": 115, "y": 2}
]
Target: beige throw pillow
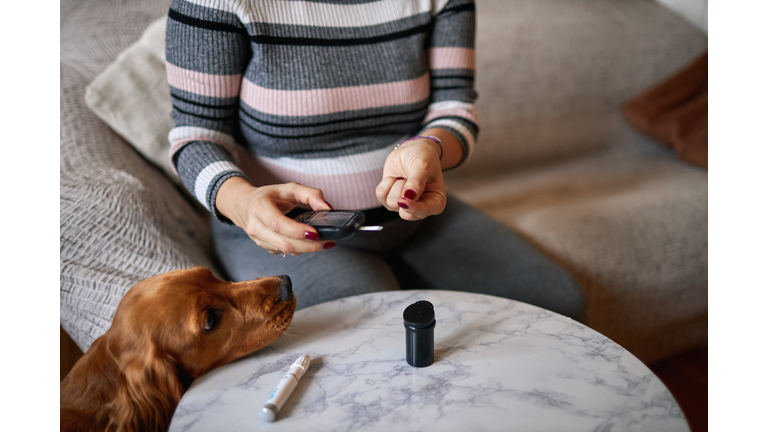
[{"x": 132, "y": 96}]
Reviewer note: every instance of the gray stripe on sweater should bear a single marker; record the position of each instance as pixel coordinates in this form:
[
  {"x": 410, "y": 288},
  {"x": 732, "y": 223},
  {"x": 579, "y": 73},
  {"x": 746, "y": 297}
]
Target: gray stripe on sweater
[
  {"x": 325, "y": 131},
  {"x": 193, "y": 158},
  {"x": 229, "y": 126},
  {"x": 454, "y": 29},
  {"x": 341, "y": 144},
  {"x": 205, "y": 53},
  {"x": 182, "y": 97},
  {"x": 285, "y": 67},
  {"x": 464, "y": 94},
  {"x": 205, "y": 13},
  {"x": 306, "y": 31},
  {"x": 317, "y": 120}
]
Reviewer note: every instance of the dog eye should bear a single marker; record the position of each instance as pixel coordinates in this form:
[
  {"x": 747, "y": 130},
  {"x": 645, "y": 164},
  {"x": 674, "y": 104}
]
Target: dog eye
[{"x": 211, "y": 319}]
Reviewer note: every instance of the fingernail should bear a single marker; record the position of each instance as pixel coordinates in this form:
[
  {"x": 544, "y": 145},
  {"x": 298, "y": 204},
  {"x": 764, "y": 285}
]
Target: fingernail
[
  {"x": 410, "y": 194},
  {"x": 329, "y": 245},
  {"x": 309, "y": 235},
  {"x": 329, "y": 205},
  {"x": 400, "y": 178},
  {"x": 402, "y": 205}
]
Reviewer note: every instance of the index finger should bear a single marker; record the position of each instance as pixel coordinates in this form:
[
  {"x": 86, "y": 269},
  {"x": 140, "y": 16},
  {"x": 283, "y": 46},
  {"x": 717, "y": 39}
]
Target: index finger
[
  {"x": 310, "y": 196},
  {"x": 292, "y": 193},
  {"x": 280, "y": 224}
]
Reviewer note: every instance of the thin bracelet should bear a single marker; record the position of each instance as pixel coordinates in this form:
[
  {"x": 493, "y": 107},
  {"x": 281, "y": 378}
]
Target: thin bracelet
[{"x": 435, "y": 139}]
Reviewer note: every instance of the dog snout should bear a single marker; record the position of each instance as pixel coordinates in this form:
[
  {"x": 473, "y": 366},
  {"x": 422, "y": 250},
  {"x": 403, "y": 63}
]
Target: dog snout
[{"x": 286, "y": 289}]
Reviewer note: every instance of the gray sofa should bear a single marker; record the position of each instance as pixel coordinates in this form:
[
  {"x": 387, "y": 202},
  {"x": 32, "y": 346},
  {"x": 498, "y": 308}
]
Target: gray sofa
[{"x": 555, "y": 162}]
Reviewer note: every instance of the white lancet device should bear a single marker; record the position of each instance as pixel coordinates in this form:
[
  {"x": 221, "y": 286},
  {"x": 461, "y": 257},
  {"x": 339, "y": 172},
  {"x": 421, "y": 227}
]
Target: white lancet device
[{"x": 285, "y": 388}]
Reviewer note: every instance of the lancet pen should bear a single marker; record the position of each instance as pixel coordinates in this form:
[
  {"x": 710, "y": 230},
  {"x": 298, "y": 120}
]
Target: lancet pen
[{"x": 285, "y": 388}]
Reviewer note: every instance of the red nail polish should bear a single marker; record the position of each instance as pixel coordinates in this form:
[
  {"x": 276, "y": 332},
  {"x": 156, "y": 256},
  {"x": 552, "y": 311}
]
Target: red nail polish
[
  {"x": 329, "y": 245},
  {"x": 309, "y": 235},
  {"x": 400, "y": 178},
  {"x": 410, "y": 194},
  {"x": 329, "y": 205},
  {"x": 402, "y": 205}
]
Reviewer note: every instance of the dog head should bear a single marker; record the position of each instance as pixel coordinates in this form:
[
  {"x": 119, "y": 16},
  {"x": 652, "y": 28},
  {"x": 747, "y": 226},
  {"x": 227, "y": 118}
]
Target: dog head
[{"x": 172, "y": 328}]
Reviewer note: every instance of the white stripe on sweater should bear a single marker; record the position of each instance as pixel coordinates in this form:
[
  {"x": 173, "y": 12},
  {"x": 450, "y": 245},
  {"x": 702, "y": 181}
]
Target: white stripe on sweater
[
  {"x": 208, "y": 173},
  {"x": 460, "y": 128},
  {"x": 182, "y": 133},
  {"x": 309, "y": 13},
  {"x": 451, "y": 105}
]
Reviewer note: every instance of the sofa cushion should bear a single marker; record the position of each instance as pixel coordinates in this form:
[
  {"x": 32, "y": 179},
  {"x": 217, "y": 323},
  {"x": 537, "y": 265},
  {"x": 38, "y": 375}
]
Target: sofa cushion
[
  {"x": 121, "y": 219},
  {"x": 552, "y": 75},
  {"x": 557, "y": 162},
  {"x": 132, "y": 96},
  {"x": 694, "y": 11},
  {"x": 630, "y": 223}
]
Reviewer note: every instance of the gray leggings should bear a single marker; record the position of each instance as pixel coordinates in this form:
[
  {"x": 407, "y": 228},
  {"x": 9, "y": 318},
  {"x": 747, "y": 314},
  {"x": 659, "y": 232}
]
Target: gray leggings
[{"x": 461, "y": 249}]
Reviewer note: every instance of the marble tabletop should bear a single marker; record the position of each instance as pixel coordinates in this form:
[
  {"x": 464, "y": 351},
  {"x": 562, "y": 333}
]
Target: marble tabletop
[{"x": 499, "y": 365}]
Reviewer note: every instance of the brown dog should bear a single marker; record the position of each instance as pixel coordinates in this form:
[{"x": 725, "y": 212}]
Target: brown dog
[{"x": 167, "y": 331}]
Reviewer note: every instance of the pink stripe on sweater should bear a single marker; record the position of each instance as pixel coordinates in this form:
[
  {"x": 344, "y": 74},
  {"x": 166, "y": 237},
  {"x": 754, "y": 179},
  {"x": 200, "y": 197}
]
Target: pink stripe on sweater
[
  {"x": 326, "y": 101},
  {"x": 452, "y": 58},
  {"x": 356, "y": 191},
  {"x": 203, "y": 84},
  {"x": 469, "y": 115}
]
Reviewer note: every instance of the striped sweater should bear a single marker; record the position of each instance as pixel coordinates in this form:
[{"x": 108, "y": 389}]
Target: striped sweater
[{"x": 314, "y": 91}]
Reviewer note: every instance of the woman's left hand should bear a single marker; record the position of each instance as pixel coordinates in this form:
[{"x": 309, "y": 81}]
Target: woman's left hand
[{"x": 413, "y": 182}]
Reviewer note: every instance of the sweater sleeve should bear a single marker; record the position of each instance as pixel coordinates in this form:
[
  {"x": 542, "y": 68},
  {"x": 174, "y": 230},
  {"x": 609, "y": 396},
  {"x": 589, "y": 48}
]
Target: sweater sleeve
[
  {"x": 207, "y": 51},
  {"x": 452, "y": 69}
]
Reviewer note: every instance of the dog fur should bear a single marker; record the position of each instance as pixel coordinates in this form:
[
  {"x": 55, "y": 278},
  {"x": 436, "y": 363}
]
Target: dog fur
[{"x": 161, "y": 339}]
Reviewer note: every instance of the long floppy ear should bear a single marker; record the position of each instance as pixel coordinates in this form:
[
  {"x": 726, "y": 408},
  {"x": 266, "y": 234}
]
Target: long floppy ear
[{"x": 149, "y": 395}]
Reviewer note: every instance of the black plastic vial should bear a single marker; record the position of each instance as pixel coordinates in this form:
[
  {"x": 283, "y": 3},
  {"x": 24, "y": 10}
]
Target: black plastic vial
[{"x": 419, "y": 320}]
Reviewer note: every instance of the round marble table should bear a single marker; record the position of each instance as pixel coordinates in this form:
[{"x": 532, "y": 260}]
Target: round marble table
[{"x": 499, "y": 365}]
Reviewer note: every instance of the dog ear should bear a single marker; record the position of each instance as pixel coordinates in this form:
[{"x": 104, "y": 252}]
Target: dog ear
[{"x": 149, "y": 395}]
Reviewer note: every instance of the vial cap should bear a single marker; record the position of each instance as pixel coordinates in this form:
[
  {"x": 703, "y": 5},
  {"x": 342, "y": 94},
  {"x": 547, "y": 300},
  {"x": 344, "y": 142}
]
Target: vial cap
[{"x": 419, "y": 315}]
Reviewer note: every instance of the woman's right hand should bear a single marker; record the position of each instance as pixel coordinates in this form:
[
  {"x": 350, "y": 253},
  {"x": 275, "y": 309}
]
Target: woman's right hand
[{"x": 260, "y": 212}]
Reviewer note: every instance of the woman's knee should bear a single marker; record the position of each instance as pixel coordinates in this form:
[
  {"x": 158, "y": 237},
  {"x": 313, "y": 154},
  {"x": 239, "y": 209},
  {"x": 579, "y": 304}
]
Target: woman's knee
[
  {"x": 339, "y": 273},
  {"x": 466, "y": 250},
  {"x": 316, "y": 277}
]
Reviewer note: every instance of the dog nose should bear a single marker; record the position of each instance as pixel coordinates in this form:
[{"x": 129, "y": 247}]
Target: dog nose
[{"x": 286, "y": 289}]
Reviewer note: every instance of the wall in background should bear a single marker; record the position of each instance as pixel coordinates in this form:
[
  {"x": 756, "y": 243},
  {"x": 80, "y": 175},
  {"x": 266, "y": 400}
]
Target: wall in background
[{"x": 695, "y": 11}]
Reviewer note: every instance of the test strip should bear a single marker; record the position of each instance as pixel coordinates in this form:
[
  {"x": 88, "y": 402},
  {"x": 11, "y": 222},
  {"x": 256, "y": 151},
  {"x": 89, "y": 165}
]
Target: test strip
[{"x": 371, "y": 228}]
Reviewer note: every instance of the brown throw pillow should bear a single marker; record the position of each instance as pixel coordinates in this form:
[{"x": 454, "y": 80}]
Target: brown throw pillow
[{"x": 674, "y": 112}]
